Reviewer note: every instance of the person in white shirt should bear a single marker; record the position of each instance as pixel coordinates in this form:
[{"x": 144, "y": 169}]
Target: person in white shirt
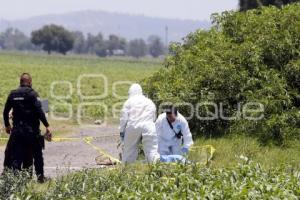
[
  {"x": 174, "y": 135},
  {"x": 137, "y": 124}
]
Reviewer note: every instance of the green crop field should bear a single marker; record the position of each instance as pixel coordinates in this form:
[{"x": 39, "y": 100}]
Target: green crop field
[
  {"x": 57, "y": 70},
  {"x": 65, "y": 72}
]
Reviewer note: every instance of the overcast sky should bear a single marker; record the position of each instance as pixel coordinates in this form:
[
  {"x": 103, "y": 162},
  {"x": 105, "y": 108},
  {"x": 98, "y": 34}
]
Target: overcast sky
[{"x": 182, "y": 9}]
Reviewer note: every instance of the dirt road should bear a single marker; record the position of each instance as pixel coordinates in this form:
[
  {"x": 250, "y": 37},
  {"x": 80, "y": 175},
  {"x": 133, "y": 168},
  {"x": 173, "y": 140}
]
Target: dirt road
[{"x": 66, "y": 156}]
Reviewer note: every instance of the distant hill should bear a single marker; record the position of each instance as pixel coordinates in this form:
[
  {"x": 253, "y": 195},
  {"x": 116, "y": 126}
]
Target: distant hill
[{"x": 126, "y": 25}]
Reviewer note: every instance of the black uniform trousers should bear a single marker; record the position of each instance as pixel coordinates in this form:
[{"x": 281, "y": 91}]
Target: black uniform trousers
[
  {"x": 22, "y": 149},
  {"x": 8, "y": 155}
]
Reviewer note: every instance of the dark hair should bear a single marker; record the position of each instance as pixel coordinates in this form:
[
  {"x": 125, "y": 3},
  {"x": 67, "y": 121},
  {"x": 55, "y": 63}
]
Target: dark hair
[
  {"x": 25, "y": 79},
  {"x": 171, "y": 109}
]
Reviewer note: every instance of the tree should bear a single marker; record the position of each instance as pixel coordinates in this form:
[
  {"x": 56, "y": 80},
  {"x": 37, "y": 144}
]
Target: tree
[
  {"x": 53, "y": 38},
  {"x": 79, "y": 42},
  {"x": 248, "y": 4},
  {"x": 252, "y": 4},
  {"x": 137, "y": 48},
  {"x": 115, "y": 43},
  {"x": 245, "y": 58},
  {"x": 155, "y": 46},
  {"x": 13, "y": 39},
  {"x": 101, "y": 49},
  {"x": 95, "y": 44}
]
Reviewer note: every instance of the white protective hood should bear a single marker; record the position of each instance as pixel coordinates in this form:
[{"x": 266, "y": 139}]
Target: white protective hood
[
  {"x": 134, "y": 90},
  {"x": 137, "y": 110}
]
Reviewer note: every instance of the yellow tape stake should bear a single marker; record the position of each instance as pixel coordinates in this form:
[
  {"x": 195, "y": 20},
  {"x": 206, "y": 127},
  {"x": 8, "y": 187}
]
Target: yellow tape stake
[{"x": 88, "y": 140}]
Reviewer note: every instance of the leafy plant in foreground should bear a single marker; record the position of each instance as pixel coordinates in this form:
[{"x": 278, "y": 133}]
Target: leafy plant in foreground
[{"x": 173, "y": 181}]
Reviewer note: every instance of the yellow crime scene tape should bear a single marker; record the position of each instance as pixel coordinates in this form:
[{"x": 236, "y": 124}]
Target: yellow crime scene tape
[
  {"x": 65, "y": 139},
  {"x": 88, "y": 141},
  {"x": 206, "y": 151}
]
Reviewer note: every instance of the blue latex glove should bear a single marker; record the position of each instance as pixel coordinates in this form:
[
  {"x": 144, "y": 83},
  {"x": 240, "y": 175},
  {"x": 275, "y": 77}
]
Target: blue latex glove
[
  {"x": 122, "y": 136},
  {"x": 184, "y": 150}
]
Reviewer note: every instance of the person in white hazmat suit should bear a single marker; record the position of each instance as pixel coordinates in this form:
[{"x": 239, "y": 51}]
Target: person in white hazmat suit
[
  {"x": 137, "y": 124},
  {"x": 174, "y": 136}
]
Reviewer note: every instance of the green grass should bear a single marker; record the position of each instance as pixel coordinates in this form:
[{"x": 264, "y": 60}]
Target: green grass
[
  {"x": 164, "y": 181},
  {"x": 229, "y": 150},
  {"x": 2, "y": 142},
  {"x": 263, "y": 173},
  {"x": 47, "y": 69}
]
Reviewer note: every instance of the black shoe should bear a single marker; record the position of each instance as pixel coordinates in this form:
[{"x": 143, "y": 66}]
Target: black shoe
[{"x": 42, "y": 179}]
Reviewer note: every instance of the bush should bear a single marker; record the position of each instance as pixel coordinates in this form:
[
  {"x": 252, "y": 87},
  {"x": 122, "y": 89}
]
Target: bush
[
  {"x": 11, "y": 183},
  {"x": 246, "y": 57},
  {"x": 171, "y": 181}
]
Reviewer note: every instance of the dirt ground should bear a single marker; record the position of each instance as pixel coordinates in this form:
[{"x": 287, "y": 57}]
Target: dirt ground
[{"x": 62, "y": 157}]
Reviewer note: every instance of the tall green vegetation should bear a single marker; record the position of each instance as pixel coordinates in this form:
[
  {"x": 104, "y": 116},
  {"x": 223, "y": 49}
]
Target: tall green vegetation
[
  {"x": 247, "y": 181},
  {"x": 252, "y": 4},
  {"x": 246, "y": 57}
]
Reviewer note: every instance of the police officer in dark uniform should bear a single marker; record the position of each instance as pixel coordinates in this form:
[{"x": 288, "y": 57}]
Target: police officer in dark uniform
[{"x": 25, "y": 142}]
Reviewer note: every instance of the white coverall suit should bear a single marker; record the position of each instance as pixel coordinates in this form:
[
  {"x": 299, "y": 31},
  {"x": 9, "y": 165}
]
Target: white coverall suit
[
  {"x": 137, "y": 122},
  {"x": 168, "y": 143}
]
